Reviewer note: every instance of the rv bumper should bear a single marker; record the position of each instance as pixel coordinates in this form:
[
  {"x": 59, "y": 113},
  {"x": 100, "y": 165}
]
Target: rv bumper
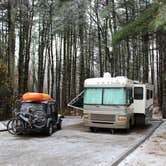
[{"x": 120, "y": 122}]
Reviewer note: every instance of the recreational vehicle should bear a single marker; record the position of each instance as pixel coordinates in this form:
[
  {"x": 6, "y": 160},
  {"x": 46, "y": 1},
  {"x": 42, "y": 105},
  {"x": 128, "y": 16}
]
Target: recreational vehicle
[{"x": 116, "y": 102}]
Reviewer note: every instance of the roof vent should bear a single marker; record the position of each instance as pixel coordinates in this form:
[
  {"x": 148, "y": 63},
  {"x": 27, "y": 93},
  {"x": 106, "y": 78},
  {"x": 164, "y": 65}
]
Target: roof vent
[
  {"x": 136, "y": 82},
  {"x": 107, "y": 75}
]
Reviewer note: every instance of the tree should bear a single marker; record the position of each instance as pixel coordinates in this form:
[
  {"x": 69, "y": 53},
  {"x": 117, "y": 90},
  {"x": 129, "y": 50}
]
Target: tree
[
  {"x": 151, "y": 20},
  {"x": 5, "y": 93},
  {"x": 61, "y": 43},
  {"x": 25, "y": 30},
  {"x": 11, "y": 41}
]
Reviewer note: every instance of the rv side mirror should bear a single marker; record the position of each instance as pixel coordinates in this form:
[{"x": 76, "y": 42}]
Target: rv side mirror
[{"x": 131, "y": 100}]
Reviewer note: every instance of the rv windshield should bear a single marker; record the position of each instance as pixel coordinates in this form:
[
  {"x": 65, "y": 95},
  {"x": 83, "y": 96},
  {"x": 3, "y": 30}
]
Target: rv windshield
[
  {"x": 105, "y": 96},
  {"x": 115, "y": 96},
  {"x": 93, "y": 96}
]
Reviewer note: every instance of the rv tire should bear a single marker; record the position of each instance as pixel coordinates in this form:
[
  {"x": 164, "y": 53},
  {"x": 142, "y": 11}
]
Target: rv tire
[{"x": 92, "y": 129}]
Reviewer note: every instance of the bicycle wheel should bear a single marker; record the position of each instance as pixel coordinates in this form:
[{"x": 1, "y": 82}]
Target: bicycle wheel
[
  {"x": 9, "y": 127},
  {"x": 15, "y": 126},
  {"x": 18, "y": 126}
]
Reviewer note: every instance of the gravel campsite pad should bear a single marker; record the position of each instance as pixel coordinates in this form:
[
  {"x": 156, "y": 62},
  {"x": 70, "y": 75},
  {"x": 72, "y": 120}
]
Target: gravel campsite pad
[
  {"x": 152, "y": 152},
  {"x": 74, "y": 145}
]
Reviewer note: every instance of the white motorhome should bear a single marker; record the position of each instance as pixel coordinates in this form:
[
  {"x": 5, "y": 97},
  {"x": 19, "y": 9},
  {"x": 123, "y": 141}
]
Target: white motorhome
[{"x": 116, "y": 102}]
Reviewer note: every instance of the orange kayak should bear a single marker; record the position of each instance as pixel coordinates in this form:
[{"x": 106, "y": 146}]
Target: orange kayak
[{"x": 36, "y": 96}]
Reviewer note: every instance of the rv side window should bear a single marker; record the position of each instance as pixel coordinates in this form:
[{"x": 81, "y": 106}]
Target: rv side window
[
  {"x": 93, "y": 96},
  {"x": 148, "y": 94},
  {"x": 138, "y": 93},
  {"x": 151, "y": 94}
]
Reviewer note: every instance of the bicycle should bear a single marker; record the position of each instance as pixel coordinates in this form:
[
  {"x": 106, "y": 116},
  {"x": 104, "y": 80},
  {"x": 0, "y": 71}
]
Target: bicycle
[{"x": 20, "y": 123}]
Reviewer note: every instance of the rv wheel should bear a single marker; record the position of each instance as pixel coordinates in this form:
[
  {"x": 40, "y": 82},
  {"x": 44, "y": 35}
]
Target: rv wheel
[
  {"x": 129, "y": 125},
  {"x": 92, "y": 129},
  {"x": 112, "y": 131}
]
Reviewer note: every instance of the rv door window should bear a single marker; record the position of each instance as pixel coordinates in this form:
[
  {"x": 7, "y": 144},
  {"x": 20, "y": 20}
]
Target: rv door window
[
  {"x": 93, "y": 96},
  {"x": 114, "y": 96},
  {"x": 138, "y": 93},
  {"x": 148, "y": 94},
  {"x": 151, "y": 94},
  {"x": 129, "y": 96}
]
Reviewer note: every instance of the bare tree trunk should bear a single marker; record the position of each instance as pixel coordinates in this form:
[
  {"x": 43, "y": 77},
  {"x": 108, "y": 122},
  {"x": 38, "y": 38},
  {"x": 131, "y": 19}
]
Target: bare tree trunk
[
  {"x": 28, "y": 35},
  {"x": 64, "y": 73},
  {"x": 74, "y": 66},
  {"x": 48, "y": 70},
  {"x": 99, "y": 39},
  {"x": 11, "y": 43},
  {"x": 81, "y": 66},
  {"x": 146, "y": 58},
  {"x": 58, "y": 72},
  {"x": 162, "y": 66},
  {"x": 52, "y": 68},
  {"x": 114, "y": 51}
]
